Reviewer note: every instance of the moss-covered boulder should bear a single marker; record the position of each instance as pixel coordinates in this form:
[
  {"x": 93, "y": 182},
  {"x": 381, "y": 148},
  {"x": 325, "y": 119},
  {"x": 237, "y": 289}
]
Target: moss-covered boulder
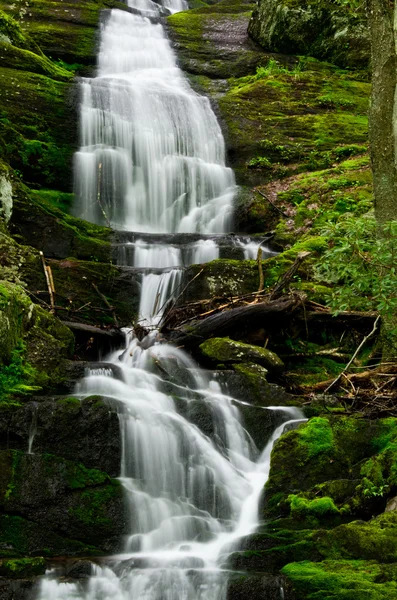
[
  {"x": 334, "y": 31},
  {"x": 63, "y": 497},
  {"x": 336, "y": 579},
  {"x": 332, "y": 470},
  {"x": 86, "y": 431},
  {"x": 40, "y": 220},
  {"x": 227, "y": 351},
  {"x": 21, "y": 568},
  {"x": 35, "y": 344},
  {"x": 222, "y": 278}
]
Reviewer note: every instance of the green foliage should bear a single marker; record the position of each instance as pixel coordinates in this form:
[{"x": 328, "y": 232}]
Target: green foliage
[
  {"x": 260, "y": 162},
  {"x": 16, "y": 378},
  {"x": 361, "y": 265}
]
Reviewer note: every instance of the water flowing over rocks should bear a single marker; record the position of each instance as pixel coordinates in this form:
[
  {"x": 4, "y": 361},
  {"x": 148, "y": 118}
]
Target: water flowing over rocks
[{"x": 124, "y": 446}]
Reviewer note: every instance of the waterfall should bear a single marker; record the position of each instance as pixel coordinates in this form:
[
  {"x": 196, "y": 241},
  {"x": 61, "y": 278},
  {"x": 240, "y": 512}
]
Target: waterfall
[
  {"x": 152, "y": 154},
  {"x": 152, "y": 159}
]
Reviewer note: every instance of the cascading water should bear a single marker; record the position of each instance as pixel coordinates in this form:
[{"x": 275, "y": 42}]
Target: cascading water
[
  {"x": 152, "y": 160},
  {"x": 152, "y": 154}
]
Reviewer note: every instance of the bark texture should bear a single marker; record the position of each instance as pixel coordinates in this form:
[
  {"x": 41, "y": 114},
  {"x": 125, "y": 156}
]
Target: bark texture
[{"x": 383, "y": 127}]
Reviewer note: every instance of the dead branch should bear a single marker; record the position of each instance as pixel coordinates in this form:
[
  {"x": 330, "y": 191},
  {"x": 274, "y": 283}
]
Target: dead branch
[
  {"x": 110, "y": 307},
  {"x": 288, "y": 275},
  {"x": 50, "y": 282},
  {"x": 270, "y": 202},
  {"x": 364, "y": 341}
]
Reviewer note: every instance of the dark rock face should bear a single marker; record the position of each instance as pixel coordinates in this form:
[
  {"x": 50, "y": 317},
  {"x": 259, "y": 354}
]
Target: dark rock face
[
  {"x": 64, "y": 497},
  {"x": 261, "y": 587},
  {"x": 20, "y": 589},
  {"x": 322, "y": 29},
  {"x": 85, "y": 431}
]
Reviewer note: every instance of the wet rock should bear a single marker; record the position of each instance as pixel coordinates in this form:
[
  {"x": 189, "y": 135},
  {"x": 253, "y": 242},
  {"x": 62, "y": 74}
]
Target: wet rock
[
  {"x": 63, "y": 496},
  {"x": 260, "y": 586},
  {"x": 22, "y": 589},
  {"x": 79, "y": 569},
  {"x": 86, "y": 431},
  {"x": 337, "y": 33},
  {"x": 213, "y": 40},
  {"x": 227, "y": 351},
  {"x": 248, "y": 382}
]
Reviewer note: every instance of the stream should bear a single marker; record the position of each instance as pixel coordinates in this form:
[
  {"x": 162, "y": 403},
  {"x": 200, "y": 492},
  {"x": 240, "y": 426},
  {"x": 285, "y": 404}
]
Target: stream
[{"x": 152, "y": 161}]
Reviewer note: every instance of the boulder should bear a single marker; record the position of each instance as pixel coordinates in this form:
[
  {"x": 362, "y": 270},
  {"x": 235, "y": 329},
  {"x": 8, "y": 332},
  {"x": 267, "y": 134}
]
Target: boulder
[{"x": 226, "y": 351}]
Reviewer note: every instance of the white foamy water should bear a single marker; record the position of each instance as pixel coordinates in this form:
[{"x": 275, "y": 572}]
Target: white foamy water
[
  {"x": 152, "y": 154},
  {"x": 152, "y": 160},
  {"x": 190, "y": 495}
]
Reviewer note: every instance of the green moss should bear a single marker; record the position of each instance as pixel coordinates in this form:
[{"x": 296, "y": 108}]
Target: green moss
[
  {"x": 93, "y": 506},
  {"x": 317, "y": 437},
  {"x": 25, "y": 60},
  {"x": 225, "y": 350},
  {"x": 347, "y": 580},
  {"x": 21, "y": 568},
  {"x": 21, "y": 537},
  {"x": 301, "y": 508},
  {"x": 375, "y": 540}
]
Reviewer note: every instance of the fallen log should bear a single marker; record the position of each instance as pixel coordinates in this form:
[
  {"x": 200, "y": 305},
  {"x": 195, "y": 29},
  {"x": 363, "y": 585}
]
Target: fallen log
[
  {"x": 244, "y": 318},
  {"x": 92, "y": 342}
]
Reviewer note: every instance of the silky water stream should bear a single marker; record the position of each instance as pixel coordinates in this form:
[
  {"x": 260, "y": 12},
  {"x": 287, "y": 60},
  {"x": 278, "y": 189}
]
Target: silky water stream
[{"x": 152, "y": 161}]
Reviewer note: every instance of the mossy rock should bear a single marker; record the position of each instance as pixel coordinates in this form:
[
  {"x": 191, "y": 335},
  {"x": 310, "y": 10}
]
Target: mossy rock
[
  {"x": 227, "y": 351},
  {"x": 35, "y": 345},
  {"x": 271, "y": 550},
  {"x": 337, "y": 32},
  {"x": 213, "y": 41},
  {"x": 222, "y": 278},
  {"x": 63, "y": 497},
  {"x": 322, "y": 450},
  {"x": 20, "y": 537},
  {"x": 337, "y": 579},
  {"x": 21, "y": 568},
  {"x": 39, "y": 219},
  {"x": 375, "y": 540},
  {"x": 16, "y": 311},
  {"x": 286, "y": 119},
  {"x": 63, "y": 426}
]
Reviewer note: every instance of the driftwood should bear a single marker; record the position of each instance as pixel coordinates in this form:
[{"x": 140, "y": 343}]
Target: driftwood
[{"x": 247, "y": 318}]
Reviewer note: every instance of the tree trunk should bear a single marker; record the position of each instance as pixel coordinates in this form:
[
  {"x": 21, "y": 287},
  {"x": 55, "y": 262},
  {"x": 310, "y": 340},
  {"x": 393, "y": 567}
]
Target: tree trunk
[{"x": 383, "y": 110}]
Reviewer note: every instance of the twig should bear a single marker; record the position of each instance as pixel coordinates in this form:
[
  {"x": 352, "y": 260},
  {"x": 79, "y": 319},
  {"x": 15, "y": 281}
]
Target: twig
[
  {"x": 367, "y": 337},
  {"x": 116, "y": 323},
  {"x": 50, "y": 283},
  {"x": 270, "y": 202},
  {"x": 165, "y": 316},
  {"x": 288, "y": 275},
  {"x": 260, "y": 269}
]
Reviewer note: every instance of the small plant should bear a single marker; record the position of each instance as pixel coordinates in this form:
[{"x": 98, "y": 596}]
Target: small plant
[
  {"x": 372, "y": 490},
  {"x": 361, "y": 264},
  {"x": 260, "y": 162}
]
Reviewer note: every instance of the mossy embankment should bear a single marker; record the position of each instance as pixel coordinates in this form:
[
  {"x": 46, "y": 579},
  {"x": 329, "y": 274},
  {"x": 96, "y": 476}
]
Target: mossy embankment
[
  {"x": 326, "y": 530},
  {"x": 281, "y": 114}
]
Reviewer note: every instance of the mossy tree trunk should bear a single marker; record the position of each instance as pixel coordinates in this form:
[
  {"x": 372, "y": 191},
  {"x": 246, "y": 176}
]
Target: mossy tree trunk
[
  {"x": 383, "y": 123},
  {"x": 383, "y": 128}
]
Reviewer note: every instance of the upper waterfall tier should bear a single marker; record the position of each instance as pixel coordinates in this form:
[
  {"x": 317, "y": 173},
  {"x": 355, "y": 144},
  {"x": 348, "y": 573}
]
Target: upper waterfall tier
[{"x": 152, "y": 154}]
